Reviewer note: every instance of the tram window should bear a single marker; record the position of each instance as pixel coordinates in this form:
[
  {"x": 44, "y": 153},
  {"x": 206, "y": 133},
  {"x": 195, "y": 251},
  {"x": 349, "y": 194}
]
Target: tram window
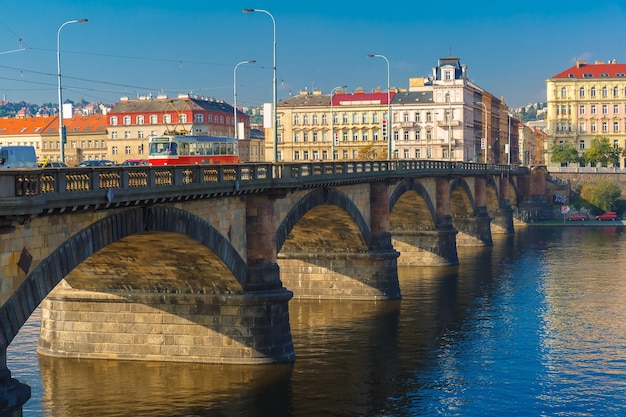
[
  {"x": 193, "y": 149},
  {"x": 173, "y": 150},
  {"x": 183, "y": 149},
  {"x": 229, "y": 148}
]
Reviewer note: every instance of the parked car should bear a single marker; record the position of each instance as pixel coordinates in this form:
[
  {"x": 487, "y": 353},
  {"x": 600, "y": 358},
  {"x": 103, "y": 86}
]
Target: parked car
[
  {"x": 96, "y": 163},
  {"x": 134, "y": 162},
  {"x": 609, "y": 215},
  {"x": 577, "y": 217},
  {"x": 48, "y": 164}
]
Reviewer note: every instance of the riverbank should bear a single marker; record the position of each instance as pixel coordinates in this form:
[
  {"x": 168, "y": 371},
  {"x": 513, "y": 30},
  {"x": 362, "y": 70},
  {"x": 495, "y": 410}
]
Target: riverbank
[{"x": 586, "y": 223}]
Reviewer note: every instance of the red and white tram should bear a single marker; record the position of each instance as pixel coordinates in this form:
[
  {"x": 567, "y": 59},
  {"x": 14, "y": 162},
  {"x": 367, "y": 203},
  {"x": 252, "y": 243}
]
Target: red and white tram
[{"x": 191, "y": 150}]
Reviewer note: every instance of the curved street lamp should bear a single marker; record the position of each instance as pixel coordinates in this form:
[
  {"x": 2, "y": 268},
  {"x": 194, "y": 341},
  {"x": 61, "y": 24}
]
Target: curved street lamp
[
  {"x": 252, "y": 61},
  {"x": 332, "y": 130},
  {"x": 61, "y": 129},
  {"x": 389, "y": 128},
  {"x": 274, "y": 92}
]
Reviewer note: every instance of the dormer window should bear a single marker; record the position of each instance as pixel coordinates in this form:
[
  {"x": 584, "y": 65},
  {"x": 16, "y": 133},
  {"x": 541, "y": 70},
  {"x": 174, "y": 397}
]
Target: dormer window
[{"x": 448, "y": 75}]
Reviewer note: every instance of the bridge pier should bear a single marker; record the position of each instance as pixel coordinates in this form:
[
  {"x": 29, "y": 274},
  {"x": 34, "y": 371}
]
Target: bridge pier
[
  {"x": 13, "y": 394},
  {"x": 247, "y": 328},
  {"x": 371, "y": 275},
  {"x": 476, "y": 230},
  {"x": 502, "y": 220},
  {"x": 428, "y": 247}
]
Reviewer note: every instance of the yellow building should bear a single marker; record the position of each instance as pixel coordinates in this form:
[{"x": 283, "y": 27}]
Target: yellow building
[
  {"x": 440, "y": 117},
  {"x": 586, "y": 101}
]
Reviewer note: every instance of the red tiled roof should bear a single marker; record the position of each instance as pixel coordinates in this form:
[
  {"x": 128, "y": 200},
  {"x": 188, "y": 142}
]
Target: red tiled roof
[
  {"x": 24, "y": 125},
  {"x": 584, "y": 70}
]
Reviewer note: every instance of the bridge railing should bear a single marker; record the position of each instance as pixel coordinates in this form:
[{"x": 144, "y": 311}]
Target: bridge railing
[{"x": 27, "y": 191}]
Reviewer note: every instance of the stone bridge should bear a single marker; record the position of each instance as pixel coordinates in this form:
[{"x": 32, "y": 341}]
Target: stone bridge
[{"x": 198, "y": 263}]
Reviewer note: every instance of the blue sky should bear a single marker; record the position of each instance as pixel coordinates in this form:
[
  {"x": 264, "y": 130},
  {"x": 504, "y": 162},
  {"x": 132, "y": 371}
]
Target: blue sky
[{"x": 141, "y": 47}]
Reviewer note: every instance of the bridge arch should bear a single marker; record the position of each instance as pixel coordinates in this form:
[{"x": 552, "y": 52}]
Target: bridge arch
[
  {"x": 461, "y": 199},
  {"x": 42, "y": 280},
  {"x": 423, "y": 204},
  {"x": 337, "y": 207},
  {"x": 493, "y": 195}
]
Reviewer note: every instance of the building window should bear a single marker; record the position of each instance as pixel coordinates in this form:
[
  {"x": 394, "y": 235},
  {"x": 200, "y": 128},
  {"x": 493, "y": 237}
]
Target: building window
[
  {"x": 127, "y": 150},
  {"x": 355, "y": 118},
  {"x": 305, "y": 155},
  {"x": 296, "y": 155},
  {"x": 114, "y": 134},
  {"x": 605, "y": 109},
  {"x": 182, "y": 118},
  {"x": 375, "y": 118},
  {"x": 581, "y": 109},
  {"x": 314, "y": 136},
  {"x": 448, "y": 75},
  {"x": 581, "y": 127},
  {"x": 429, "y": 117},
  {"x": 615, "y": 126},
  {"x": 406, "y": 135},
  {"x": 364, "y": 118},
  {"x": 375, "y": 136},
  {"x": 581, "y": 145},
  {"x": 126, "y": 120},
  {"x": 344, "y": 118},
  {"x": 395, "y": 135},
  {"x": 364, "y": 136},
  {"x": 114, "y": 150},
  {"x": 209, "y": 119},
  {"x": 593, "y": 109},
  {"x": 615, "y": 108},
  {"x": 563, "y": 92},
  {"x": 296, "y": 138},
  {"x": 140, "y": 134},
  {"x": 605, "y": 127},
  {"x": 418, "y": 154},
  {"x": 344, "y": 136},
  {"x": 140, "y": 149},
  {"x": 113, "y": 121},
  {"x": 198, "y": 118},
  {"x": 604, "y": 92},
  {"x": 345, "y": 154},
  {"x": 418, "y": 134},
  {"x": 594, "y": 127},
  {"x": 305, "y": 119},
  {"x": 429, "y": 134},
  {"x": 592, "y": 93},
  {"x": 315, "y": 119},
  {"x": 582, "y": 92},
  {"x": 316, "y": 155},
  {"x": 305, "y": 137},
  {"x": 167, "y": 118},
  {"x": 406, "y": 116},
  {"x": 324, "y": 154},
  {"x": 126, "y": 134},
  {"x": 154, "y": 119},
  {"x": 324, "y": 119},
  {"x": 355, "y": 136},
  {"x": 140, "y": 120}
]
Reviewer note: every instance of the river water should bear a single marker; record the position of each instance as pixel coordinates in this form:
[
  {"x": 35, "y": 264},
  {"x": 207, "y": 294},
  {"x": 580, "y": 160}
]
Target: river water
[{"x": 533, "y": 326}]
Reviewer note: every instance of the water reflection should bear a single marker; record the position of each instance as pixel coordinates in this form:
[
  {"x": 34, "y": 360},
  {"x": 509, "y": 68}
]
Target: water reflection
[{"x": 530, "y": 326}]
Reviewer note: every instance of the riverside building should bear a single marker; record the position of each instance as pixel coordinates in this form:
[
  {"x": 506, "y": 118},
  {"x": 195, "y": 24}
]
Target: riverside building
[
  {"x": 586, "y": 101},
  {"x": 444, "y": 117}
]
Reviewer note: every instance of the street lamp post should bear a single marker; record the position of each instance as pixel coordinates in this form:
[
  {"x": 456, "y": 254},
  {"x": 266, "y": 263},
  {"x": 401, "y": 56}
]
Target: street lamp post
[
  {"x": 332, "y": 127},
  {"x": 274, "y": 92},
  {"x": 485, "y": 113},
  {"x": 61, "y": 130},
  {"x": 235, "y": 95},
  {"x": 389, "y": 126}
]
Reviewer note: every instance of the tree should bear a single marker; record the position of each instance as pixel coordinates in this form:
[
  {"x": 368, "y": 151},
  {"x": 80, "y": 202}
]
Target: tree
[
  {"x": 604, "y": 194},
  {"x": 565, "y": 154},
  {"x": 602, "y": 152},
  {"x": 370, "y": 151}
]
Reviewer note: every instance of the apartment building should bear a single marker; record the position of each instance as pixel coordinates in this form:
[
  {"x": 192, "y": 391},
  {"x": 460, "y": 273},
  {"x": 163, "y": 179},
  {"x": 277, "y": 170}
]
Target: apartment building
[
  {"x": 85, "y": 136},
  {"x": 132, "y": 122},
  {"x": 586, "y": 101},
  {"x": 444, "y": 116}
]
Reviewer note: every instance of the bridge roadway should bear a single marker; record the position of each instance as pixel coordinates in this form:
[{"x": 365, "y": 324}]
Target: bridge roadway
[{"x": 198, "y": 263}]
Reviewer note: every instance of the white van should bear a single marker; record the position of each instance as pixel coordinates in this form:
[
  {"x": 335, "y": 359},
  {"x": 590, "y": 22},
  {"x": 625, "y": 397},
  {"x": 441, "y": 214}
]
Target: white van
[{"x": 17, "y": 157}]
